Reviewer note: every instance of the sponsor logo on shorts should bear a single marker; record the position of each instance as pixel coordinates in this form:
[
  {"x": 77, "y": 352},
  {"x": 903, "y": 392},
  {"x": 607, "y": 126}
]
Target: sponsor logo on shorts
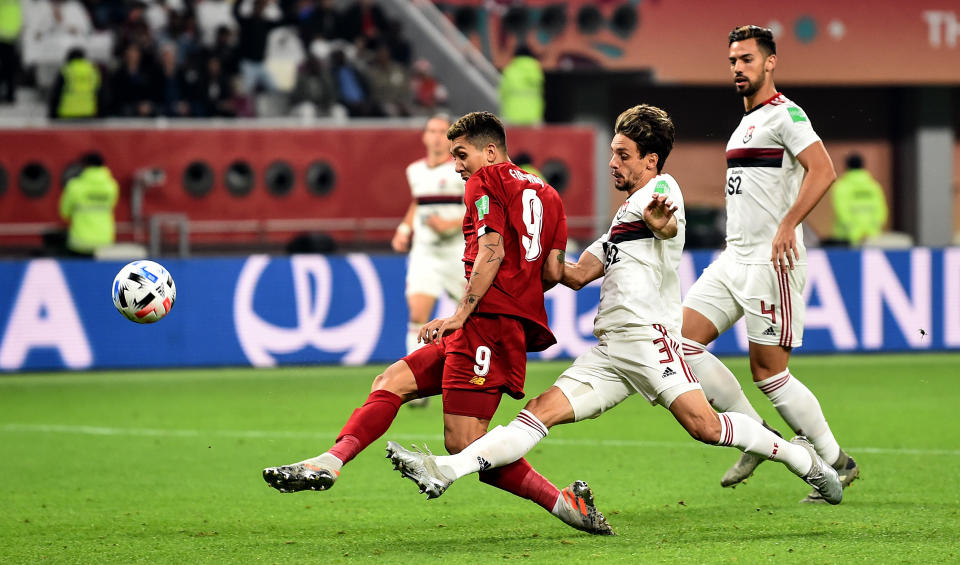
[
  {"x": 770, "y": 331},
  {"x": 668, "y": 372},
  {"x": 478, "y": 381}
]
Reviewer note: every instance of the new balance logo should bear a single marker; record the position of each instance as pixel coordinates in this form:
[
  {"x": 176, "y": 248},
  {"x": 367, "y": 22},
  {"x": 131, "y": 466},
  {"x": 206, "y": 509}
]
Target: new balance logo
[
  {"x": 770, "y": 331},
  {"x": 668, "y": 373},
  {"x": 484, "y": 464}
]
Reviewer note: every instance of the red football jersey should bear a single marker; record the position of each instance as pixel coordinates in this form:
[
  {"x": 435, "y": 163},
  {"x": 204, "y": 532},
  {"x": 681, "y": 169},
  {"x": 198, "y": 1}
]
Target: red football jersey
[{"x": 529, "y": 215}]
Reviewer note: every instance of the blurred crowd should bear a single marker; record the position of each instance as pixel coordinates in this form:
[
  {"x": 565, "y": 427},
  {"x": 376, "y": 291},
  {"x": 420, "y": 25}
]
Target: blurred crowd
[{"x": 206, "y": 58}]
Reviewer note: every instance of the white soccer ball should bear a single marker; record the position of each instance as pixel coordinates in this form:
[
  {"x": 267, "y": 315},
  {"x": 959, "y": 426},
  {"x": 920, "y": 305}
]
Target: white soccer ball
[{"x": 143, "y": 291}]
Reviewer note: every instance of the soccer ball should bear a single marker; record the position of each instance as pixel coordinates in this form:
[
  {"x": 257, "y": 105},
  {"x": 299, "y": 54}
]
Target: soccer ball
[{"x": 143, "y": 291}]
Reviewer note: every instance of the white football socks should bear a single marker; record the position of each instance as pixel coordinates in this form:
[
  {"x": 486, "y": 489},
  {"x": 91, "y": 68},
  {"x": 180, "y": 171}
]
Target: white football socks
[
  {"x": 738, "y": 430},
  {"x": 500, "y": 446},
  {"x": 801, "y": 410},
  {"x": 326, "y": 460},
  {"x": 719, "y": 385},
  {"x": 413, "y": 330}
]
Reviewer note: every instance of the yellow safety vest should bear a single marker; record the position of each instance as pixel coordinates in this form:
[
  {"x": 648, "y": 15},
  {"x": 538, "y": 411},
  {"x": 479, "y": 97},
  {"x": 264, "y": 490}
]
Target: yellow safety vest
[{"x": 81, "y": 79}]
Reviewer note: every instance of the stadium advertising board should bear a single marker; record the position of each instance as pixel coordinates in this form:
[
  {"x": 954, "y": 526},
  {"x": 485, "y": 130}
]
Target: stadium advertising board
[
  {"x": 841, "y": 42},
  {"x": 266, "y": 311}
]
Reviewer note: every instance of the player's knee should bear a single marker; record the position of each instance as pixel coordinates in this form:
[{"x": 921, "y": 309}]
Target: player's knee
[
  {"x": 552, "y": 407},
  {"x": 454, "y": 443},
  {"x": 380, "y": 382},
  {"x": 396, "y": 379}
]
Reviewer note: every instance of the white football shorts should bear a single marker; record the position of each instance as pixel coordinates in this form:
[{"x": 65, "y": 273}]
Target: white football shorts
[
  {"x": 771, "y": 301},
  {"x": 436, "y": 270},
  {"x": 643, "y": 360}
]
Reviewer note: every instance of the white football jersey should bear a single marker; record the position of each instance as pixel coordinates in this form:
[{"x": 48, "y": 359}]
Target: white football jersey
[
  {"x": 641, "y": 285},
  {"x": 436, "y": 190},
  {"x": 764, "y": 176}
]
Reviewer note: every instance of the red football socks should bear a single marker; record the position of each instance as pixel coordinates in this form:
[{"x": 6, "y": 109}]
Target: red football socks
[
  {"x": 366, "y": 424},
  {"x": 521, "y": 479}
]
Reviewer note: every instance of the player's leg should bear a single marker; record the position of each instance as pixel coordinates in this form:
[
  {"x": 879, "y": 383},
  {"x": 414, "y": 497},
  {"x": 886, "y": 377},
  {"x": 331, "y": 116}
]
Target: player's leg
[
  {"x": 420, "y": 306},
  {"x": 585, "y": 390},
  {"x": 710, "y": 308},
  {"x": 497, "y": 457},
  {"x": 695, "y": 414},
  {"x": 461, "y": 430},
  {"x": 800, "y": 408},
  {"x": 424, "y": 283},
  {"x": 774, "y": 327},
  {"x": 504, "y": 363},
  {"x": 417, "y": 374},
  {"x": 721, "y": 387}
]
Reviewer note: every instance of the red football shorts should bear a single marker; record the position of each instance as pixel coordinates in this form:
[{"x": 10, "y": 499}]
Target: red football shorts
[{"x": 474, "y": 365}]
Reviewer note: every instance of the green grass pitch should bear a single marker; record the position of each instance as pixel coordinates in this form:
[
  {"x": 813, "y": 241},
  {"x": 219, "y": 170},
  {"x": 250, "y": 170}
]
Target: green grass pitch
[{"x": 164, "y": 467}]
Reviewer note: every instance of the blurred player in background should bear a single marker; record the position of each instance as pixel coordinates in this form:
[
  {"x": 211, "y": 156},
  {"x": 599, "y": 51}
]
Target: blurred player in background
[
  {"x": 515, "y": 229},
  {"x": 777, "y": 171},
  {"x": 431, "y": 231},
  {"x": 638, "y": 349}
]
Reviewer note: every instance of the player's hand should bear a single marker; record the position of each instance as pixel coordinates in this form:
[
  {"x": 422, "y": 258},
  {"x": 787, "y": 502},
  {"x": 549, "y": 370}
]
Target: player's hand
[
  {"x": 658, "y": 212},
  {"x": 435, "y": 330},
  {"x": 784, "y": 250},
  {"x": 400, "y": 242},
  {"x": 441, "y": 226},
  {"x": 434, "y": 222}
]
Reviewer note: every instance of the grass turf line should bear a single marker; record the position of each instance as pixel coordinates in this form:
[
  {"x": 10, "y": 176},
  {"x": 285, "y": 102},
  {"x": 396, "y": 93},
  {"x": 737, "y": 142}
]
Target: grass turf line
[{"x": 192, "y": 492}]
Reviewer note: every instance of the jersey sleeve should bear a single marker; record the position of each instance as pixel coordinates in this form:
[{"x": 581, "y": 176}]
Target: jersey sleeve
[
  {"x": 409, "y": 172},
  {"x": 676, "y": 195},
  {"x": 560, "y": 234},
  {"x": 796, "y": 131},
  {"x": 596, "y": 248},
  {"x": 484, "y": 204}
]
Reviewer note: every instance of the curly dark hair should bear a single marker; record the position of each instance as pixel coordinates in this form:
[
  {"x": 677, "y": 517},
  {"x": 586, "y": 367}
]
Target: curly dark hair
[
  {"x": 650, "y": 128},
  {"x": 481, "y": 129}
]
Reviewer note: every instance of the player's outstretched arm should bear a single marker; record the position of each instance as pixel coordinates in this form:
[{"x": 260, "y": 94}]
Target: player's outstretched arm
[
  {"x": 659, "y": 216},
  {"x": 587, "y": 269},
  {"x": 820, "y": 175},
  {"x": 485, "y": 268},
  {"x": 553, "y": 269}
]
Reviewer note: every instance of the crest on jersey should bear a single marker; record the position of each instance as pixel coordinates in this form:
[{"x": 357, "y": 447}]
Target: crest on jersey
[
  {"x": 749, "y": 135},
  {"x": 622, "y": 210}
]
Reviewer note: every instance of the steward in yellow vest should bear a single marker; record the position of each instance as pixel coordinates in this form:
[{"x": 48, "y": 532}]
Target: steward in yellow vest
[
  {"x": 75, "y": 94},
  {"x": 87, "y": 203}
]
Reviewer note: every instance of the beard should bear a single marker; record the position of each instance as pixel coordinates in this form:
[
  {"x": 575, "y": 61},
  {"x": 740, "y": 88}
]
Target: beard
[
  {"x": 750, "y": 88},
  {"x": 622, "y": 184}
]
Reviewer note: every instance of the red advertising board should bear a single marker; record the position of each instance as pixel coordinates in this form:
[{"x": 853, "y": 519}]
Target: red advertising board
[{"x": 367, "y": 164}]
